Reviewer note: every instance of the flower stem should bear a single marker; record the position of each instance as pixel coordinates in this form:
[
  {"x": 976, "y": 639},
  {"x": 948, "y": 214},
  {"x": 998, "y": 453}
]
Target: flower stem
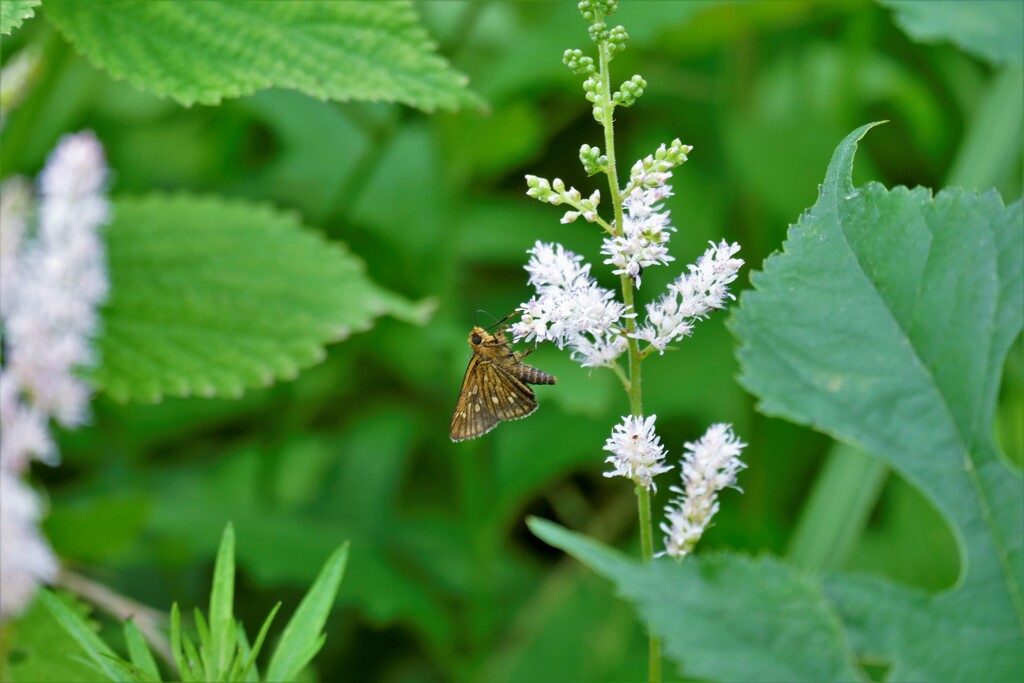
[
  {"x": 643, "y": 501},
  {"x": 633, "y": 387}
]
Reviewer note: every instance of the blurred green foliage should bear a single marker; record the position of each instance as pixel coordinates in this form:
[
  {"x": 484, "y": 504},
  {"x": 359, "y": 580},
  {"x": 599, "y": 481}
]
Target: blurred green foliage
[{"x": 444, "y": 581}]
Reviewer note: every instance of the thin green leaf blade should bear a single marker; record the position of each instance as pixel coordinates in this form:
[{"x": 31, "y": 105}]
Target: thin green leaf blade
[
  {"x": 132, "y": 672},
  {"x": 139, "y": 651},
  {"x": 298, "y": 644},
  {"x": 199, "y": 672},
  {"x": 207, "y": 51},
  {"x": 222, "y": 596},
  {"x": 211, "y": 297},
  {"x": 886, "y": 322},
  {"x": 177, "y": 648},
  {"x": 726, "y": 617},
  {"x": 14, "y": 12},
  {"x": 98, "y": 651},
  {"x": 990, "y": 29},
  {"x": 248, "y": 670}
]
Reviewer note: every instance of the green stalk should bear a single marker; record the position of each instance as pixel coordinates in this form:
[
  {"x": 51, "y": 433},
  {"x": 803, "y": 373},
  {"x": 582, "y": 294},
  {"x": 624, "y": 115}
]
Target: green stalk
[
  {"x": 987, "y": 149},
  {"x": 634, "y": 386}
]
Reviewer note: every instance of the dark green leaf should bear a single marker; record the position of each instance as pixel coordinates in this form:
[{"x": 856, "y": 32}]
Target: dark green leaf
[
  {"x": 990, "y": 29},
  {"x": 725, "y": 617},
  {"x": 886, "y": 322}
]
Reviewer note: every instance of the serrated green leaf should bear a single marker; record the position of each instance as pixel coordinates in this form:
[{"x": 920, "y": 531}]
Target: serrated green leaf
[
  {"x": 212, "y": 297},
  {"x": 302, "y": 637},
  {"x": 139, "y": 652},
  {"x": 886, "y": 322},
  {"x": 725, "y": 617},
  {"x": 98, "y": 651},
  {"x": 990, "y": 29},
  {"x": 206, "y": 51},
  {"x": 14, "y": 12}
]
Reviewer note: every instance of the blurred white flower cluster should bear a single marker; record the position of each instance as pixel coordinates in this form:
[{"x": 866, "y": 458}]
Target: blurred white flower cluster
[
  {"x": 52, "y": 279},
  {"x": 573, "y": 311}
]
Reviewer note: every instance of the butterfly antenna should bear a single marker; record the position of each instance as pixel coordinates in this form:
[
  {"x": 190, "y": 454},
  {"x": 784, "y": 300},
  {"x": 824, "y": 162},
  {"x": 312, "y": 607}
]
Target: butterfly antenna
[{"x": 498, "y": 322}]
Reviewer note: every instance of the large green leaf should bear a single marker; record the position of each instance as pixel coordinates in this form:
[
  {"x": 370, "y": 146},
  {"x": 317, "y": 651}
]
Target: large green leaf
[
  {"x": 211, "y": 297},
  {"x": 14, "y": 12},
  {"x": 726, "y": 618},
  {"x": 990, "y": 29},
  {"x": 886, "y": 322},
  {"x": 206, "y": 51}
]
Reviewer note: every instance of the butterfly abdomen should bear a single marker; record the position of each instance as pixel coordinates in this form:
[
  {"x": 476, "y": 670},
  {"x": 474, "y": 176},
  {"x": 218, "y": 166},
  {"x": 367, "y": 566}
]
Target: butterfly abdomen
[{"x": 532, "y": 375}]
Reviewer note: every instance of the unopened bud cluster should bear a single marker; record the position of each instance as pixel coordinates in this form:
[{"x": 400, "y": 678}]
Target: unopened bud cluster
[
  {"x": 613, "y": 40},
  {"x": 593, "y": 161},
  {"x": 629, "y": 91},
  {"x": 617, "y": 39},
  {"x": 578, "y": 63},
  {"x": 592, "y": 90},
  {"x": 555, "y": 193},
  {"x": 655, "y": 169},
  {"x": 591, "y": 9}
]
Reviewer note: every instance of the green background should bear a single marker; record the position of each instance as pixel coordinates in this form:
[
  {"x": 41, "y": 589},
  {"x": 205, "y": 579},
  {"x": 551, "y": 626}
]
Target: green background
[{"x": 444, "y": 579}]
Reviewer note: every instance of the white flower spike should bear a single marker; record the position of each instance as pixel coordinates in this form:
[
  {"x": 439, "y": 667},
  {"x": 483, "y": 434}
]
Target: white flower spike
[
  {"x": 636, "y": 451},
  {"x": 708, "y": 466}
]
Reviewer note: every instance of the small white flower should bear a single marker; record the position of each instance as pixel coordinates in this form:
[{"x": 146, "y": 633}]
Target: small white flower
[
  {"x": 645, "y": 234},
  {"x": 552, "y": 267},
  {"x": 599, "y": 350},
  {"x": 570, "y": 308},
  {"x": 691, "y": 296},
  {"x": 636, "y": 451},
  {"x": 708, "y": 466}
]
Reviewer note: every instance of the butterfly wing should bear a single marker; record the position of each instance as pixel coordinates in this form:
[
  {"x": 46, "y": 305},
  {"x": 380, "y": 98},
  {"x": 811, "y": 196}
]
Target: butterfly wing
[
  {"x": 490, "y": 394},
  {"x": 509, "y": 397},
  {"x": 472, "y": 417}
]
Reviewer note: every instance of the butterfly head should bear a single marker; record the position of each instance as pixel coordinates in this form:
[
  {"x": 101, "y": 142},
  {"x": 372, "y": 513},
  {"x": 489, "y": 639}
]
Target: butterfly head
[{"x": 479, "y": 336}]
